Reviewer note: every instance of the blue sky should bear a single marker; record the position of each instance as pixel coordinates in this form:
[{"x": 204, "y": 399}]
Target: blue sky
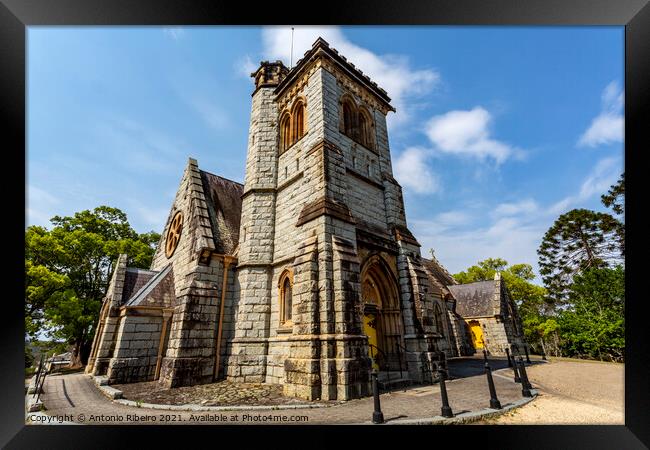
[{"x": 498, "y": 130}]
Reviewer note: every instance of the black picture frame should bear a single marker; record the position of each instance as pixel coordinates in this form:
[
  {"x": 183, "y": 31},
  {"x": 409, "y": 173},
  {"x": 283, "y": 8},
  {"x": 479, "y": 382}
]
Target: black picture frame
[{"x": 634, "y": 15}]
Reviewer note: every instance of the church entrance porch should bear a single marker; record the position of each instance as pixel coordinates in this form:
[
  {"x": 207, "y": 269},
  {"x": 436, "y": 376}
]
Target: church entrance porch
[{"x": 382, "y": 319}]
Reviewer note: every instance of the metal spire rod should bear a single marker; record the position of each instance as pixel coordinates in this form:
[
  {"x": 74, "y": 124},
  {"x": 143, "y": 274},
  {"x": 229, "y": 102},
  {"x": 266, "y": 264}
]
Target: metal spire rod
[{"x": 291, "y": 63}]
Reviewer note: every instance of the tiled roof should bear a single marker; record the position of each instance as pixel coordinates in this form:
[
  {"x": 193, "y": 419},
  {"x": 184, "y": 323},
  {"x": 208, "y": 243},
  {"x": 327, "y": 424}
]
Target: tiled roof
[
  {"x": 159, "y": 291},
  {"x": 134, "y": 279},
  {"x": 474, "y": 299},
  {"x": 438, "y": 271},
  {"x": 223, "y": 198}
]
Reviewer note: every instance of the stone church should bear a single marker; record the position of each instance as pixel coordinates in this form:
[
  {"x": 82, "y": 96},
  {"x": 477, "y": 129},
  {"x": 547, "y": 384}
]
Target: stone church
[{"x": 307, "y": 274}]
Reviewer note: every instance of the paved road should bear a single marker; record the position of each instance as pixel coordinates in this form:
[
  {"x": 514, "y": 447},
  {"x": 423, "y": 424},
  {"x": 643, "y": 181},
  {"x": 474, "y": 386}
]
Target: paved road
[
  {"x": 573, "y": 392},
  {"x": 77, "y": 398}
]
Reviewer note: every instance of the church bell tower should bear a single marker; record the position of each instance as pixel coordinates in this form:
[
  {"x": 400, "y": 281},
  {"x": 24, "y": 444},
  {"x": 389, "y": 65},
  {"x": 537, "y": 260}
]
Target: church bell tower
[{"x": 324, "y": 247}]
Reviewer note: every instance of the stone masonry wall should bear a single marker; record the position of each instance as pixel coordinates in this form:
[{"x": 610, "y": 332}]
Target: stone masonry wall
[{"x": 136, "y": 352}]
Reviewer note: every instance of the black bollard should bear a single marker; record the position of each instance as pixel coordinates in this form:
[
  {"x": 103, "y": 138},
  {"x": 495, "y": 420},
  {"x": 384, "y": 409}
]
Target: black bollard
[
  {"x": 377, "y": 415},
  {"x": 515, "y": 370},
  {"x": 526, "y": 350},
  {"x": 443, "y": 364},
  {"x": 494, "y": 401},
  {"x": 446, "y": 409},
  {"x": 525, "y": 385},
  {"x": 543, "y": 352},
  {"x": 508, "y": 355},
  {"x": 485, "y": 356}
]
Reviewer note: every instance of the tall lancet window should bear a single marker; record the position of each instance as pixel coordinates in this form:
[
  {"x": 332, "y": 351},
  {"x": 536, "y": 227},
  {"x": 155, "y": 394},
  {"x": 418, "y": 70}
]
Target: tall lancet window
[
  {"x": 298, "y": 122},
  {"x": 349, "y": 112},
  {"x": 286, "y": 298},
  {"x": 285, "y": 132},
  {"x": 365, "y": 128},
  {"x": 439, "y": 319}
]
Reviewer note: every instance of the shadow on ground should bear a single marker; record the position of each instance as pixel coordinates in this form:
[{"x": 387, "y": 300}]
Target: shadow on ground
[{"x": 471, "y": 366}]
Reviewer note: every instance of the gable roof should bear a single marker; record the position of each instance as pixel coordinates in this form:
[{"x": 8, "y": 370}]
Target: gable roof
[
  {"x": 159, "y": 291},
  {"x": 475, "y": 299},
  {"x": 223, "y": 199},
  {"x": 134, "y": 280},
  {"x": 440, "y": 274}
]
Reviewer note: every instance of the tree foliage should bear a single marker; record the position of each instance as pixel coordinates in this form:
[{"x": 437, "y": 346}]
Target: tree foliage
[
  {"x": 578, "y": 240},
  {"x": 68, "y": 268},
  {"x": 615, "y": 199},
  {"x": 594, "y": 325}
]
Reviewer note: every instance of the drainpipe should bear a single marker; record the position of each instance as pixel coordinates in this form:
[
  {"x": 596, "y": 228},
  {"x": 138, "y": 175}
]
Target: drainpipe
[
  {"x": 161, "y": 342},
  {"x": 226, "y": 263}
]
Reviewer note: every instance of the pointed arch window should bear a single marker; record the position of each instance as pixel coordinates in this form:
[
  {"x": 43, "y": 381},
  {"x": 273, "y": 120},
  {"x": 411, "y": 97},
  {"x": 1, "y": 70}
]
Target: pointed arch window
[
  {"x": 298, "y": 125},
  {"x": 356, "y": 122},
  {"x": 365, "y": 128},
  {"x": 285, "y": 284},
  {"x": 285, "y": 132},
  {"x": 348, "y": 118},
  {"x": 439, "y": 319}
]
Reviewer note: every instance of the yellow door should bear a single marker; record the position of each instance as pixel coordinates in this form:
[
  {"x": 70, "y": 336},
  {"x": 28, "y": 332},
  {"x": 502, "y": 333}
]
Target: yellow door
[
  {"x": 370, "y": 329},
  {"x": 477, "y": 334}
]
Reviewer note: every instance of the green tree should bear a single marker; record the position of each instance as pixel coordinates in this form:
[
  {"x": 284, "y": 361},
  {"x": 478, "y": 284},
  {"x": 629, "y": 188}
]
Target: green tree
[
  {"x": 68, "y": 268},
  {"x": 615, "y": 199},
  {"x": 482, "y": 271},
  {"x": 40, "y": 284},
  {"x": 578, "y": 240},
  {"x": 594, "y": 325}
]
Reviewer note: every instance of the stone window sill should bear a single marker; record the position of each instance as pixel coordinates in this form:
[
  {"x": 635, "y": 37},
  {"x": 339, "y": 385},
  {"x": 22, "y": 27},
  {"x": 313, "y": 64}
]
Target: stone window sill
[
  {"x": 282, "y": 152},
  {"x": 370, "y": 148},
  {"x": 285, "y": 329}
]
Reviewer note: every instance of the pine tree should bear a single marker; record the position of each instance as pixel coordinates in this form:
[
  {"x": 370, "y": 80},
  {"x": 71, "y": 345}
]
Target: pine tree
[
  {"x": 615, "y": 199},
  {"x": 578, "y": 240}
]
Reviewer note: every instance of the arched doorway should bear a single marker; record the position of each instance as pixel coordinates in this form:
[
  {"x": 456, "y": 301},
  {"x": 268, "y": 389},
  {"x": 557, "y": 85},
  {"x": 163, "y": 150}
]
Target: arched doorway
[
  {"x": 382, "y": 317},
  {"x": 477, "y": 334}
]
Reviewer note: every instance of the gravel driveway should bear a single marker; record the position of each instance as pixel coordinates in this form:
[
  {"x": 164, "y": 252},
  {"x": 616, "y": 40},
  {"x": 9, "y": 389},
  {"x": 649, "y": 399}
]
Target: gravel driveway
[{"x": 572, "y": 392}]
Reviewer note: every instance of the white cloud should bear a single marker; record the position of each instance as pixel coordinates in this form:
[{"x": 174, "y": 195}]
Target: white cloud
[
  {"x": 601, "y": 178},
  {"x": 452, "y": 218},
  {"x": 513, "y": 231},
  {"x": 598, "y": 182},
  {"x": 467, "y": 133},
  {"x": 527, "y": 206},
  {"x": 244, "y": 66},
  {"x": 391, "y": 72},
  {"x": 412, "y": 171},
  {"x": 609, "y": 126},
  {"x": 175, "y": 33},
  {"x": 513, "y": 239}
]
